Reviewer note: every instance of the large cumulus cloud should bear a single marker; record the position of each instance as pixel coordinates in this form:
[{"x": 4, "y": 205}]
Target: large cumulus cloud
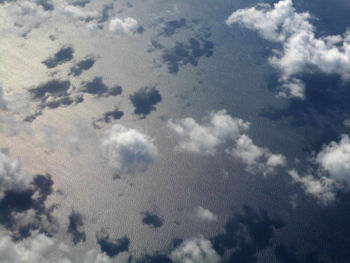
[
  {"x": 302, "y": 49},
  {"x": 128, "y": 150}
]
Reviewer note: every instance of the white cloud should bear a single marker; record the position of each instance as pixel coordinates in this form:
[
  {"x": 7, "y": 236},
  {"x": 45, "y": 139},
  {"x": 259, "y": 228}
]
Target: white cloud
[
  {"x": 332, "y": 173},
  {"x": 220, "y": 128},
  {"x": 302, "y": 50},
  {"x": 322, "y": 188},
  {"x": 205, "y": 138},
  {"x": 73, "y": 11},
  {"x": 27, "y": 14},
  {"x": 128, "y": 150},
  {"x": 127, "y": 26},
  {"x": 205, "y": 214},
  {"x": 256, "y": 158},
  {"x": 12, "y": 177},
  {"x": 335, "y": 159},
  {"x": 197, "y": 250},
  {"x": 10, "y": 105},
  {"x": 43, "y": 249}
]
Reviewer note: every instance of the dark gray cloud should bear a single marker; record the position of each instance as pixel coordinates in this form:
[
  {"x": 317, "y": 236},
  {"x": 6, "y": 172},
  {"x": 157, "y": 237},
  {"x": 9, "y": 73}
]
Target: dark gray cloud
[
  {"x": 53, "y": 94},
  {"x": 175, "y": 52},
  {"x": 172, "y": 26},
  {"x": 64, "y": 55},
  {"x": 52, "y": 88},
  {"x": 60, "y": 93},
  {"x": 105, "y": 14},
  {"x": 47, "y": 5},
  {"x": 80, "y": 3},
  {"x": 245, "y": 234},
  {"x": 144, "y": 100},
  {"x": 98, "y": 88},
  {"x": 23, "y": 211},
  {"x": 82, "y": 65},
  {"x": 75, "y": 227},
  {"x": 152, "y": 220},
  {"x": 112, "y": 247},
  {"x": 108, "y": 117},
  {"x": 186, "y": 53}
]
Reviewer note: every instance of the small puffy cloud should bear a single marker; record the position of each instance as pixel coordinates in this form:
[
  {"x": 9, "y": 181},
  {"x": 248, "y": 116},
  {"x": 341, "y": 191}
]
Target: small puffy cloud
[
  {"x": 205, "y": 138},
  {"x": 256, "y": 158},
  {"x": 196, "y": 250},
  {"x": 302, "y": 49},
  {"x": 127, "y": 26},
  {"x": 128, "y": 150},
  {"x": 205, "y": 214}
]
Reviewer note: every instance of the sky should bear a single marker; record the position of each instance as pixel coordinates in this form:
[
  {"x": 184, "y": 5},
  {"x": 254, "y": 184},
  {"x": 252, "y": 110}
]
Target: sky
[{"x": 174, "y": 131}]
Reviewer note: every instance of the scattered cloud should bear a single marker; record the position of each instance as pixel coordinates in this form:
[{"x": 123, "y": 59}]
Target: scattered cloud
[
  {"x": 205, "y": 214},
  {"x": 302, "y": 51},
  {"x": 321, "y": 187},
  {"x": 256, "y": 158},
  {"x": 331, "y": 174},
  {"x": 218, "y": 129},
  {"x": 128, "y": 150}
]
